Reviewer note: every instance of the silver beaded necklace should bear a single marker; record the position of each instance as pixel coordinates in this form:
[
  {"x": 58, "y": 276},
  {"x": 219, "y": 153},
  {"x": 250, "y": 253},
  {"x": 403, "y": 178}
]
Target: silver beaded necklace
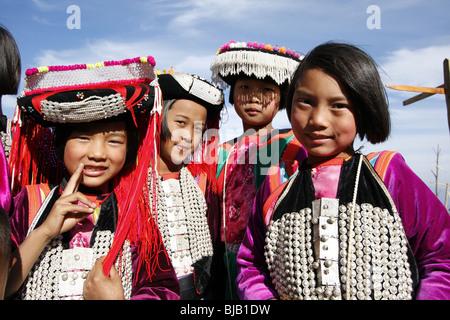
[
  {"x": 59, "y": 273},
  {"x": 181, "y": 218},
  {"x": 333, "y": 251}
]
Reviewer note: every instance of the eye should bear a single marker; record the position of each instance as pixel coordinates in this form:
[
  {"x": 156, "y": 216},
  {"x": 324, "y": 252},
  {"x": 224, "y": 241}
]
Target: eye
[
  {"x": 116, "y": 142},
  {"x": 81, "y": 138},
  {"x": 304, "y": 101},
  {"x": 340, "y": 106}
]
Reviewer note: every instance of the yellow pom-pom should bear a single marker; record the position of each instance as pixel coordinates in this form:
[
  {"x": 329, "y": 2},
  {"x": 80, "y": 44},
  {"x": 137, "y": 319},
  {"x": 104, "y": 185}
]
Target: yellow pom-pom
[
  {"x": 171, "y": 70},
  {"x": 158, "y": 72},
  {"x": 99, "y": 64},
  {"x": 43, "y": 69},
  {"x": 89, "y": 66},
  {"x": 143, "y": 59}
]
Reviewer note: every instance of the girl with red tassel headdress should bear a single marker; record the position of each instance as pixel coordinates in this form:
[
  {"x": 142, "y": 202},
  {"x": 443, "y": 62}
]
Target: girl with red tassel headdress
[
  {"x": 182, "y": 192},
  {"x": 83, "y": 143}
]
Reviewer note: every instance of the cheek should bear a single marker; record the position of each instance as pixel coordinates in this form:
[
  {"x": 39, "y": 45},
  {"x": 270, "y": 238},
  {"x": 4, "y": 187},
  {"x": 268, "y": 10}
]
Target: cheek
[
  {"x": 166, "y": 148},
  {"x": 348, "y": 125},
  {"x": 272, "y": 105},
  {"x": 73, "y": 154},
  {"x": 119, "y": 155},
  {"x": 197, "y": 139},
  {"x": 298, "y": 119}
]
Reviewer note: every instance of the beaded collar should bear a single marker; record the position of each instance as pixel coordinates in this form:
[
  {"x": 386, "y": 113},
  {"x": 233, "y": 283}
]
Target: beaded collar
[{"x": 353, "y": 247}]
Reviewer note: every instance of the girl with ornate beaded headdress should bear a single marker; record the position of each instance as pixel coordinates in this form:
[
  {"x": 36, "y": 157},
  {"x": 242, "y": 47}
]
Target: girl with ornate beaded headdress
[
  {"x": 345, "y": 226},
  {"x": 258, "y": 76},
  {"x": 81, "y": 151},
  {"x": 183, "y": 182}
]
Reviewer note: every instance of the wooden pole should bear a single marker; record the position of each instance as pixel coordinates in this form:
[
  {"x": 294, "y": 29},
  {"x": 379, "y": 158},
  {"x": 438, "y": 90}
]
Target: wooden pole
[
  {"x": 419, "y": 97},
  {"x": 447, "y": 88},
  {"x": 446, "y": 195}
]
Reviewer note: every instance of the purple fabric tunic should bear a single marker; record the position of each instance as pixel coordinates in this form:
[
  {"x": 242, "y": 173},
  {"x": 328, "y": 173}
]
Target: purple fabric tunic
[
  {"x": 5, "y": 191},
  {"x": 163, "y": 285},
  {"x": 425, "y": 220}
]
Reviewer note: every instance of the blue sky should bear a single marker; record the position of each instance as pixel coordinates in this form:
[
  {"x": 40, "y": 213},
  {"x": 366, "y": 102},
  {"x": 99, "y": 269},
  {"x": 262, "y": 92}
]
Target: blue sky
[{"x": 410, "y": 45}]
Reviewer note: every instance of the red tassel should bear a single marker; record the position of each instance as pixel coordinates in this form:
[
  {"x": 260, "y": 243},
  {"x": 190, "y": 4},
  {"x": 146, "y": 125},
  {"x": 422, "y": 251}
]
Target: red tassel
[{"x": 136, "y": 222}]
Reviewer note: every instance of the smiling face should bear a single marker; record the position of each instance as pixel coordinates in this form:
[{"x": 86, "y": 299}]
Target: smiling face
[
  {"x": 256, "y": 102},
  {"x": 322, "y": 118},
  {"x": 185, "y": 120},
  {"x": 102, "y": 148}
]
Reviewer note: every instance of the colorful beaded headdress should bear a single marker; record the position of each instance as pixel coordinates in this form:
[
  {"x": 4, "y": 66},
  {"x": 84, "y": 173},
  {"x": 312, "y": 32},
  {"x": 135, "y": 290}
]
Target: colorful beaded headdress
[
  {"x": 185, "y": 86},
  {"x": 59, "y": 95},
  {"x": 87, "y": 92},
  {"x": 253, "y": 59}
]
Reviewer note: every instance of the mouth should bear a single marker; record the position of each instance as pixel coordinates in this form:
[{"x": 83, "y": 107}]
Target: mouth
[
  {"x": 94, "y": 171},
  {"x": 318, "y": 138},
  {"x": 183, "y": 148},
  {"x": 252, "y": 111}
]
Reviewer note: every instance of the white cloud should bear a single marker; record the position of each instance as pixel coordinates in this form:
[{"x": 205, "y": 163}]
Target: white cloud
[
  {"x": 8, "y": 105},
  {"x": 420, "y": 67},
  {"x": 194, "y": 17},
  {"x": 45, "y": 5}
]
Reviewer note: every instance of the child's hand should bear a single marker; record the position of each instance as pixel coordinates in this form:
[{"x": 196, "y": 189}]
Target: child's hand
[
  {"x": 100, "y": 287},
  {"x": 65, "y": 213}
]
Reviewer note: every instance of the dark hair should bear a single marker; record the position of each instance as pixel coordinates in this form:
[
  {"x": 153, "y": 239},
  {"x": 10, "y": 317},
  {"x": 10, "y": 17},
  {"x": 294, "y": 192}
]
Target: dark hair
[
  {"x": 62, "y": 133},
  {"x": 283, "y": 87},
  {"x": 358, "y": 75},
  {"x": 10, "y": 64}
]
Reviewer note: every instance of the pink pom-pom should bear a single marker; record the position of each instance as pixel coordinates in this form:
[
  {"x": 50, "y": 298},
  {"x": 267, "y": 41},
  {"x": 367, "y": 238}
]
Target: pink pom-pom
[
  {"x": 151, "y": 60},
  {"x": 262, "y": 46},
  {"x": 29, "y": 72}
]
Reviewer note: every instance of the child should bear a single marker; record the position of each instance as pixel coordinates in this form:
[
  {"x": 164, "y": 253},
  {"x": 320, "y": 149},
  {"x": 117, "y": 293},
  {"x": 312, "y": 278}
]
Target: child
[
  {"x": 183, "y": 183},
  {"x": 258, "y": 76},
  {"x": 345, "y": 226},
  {"x": 64, "y": 227}
]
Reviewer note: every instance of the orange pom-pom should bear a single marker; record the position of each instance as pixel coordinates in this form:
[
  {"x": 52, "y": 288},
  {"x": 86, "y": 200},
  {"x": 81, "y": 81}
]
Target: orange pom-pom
[
  {"x": 268, "y": 47},
  {"x": 282, "y": 49}
]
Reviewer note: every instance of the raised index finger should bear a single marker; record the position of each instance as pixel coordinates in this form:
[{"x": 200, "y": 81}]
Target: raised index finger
[{"x": 74, "y": 181}]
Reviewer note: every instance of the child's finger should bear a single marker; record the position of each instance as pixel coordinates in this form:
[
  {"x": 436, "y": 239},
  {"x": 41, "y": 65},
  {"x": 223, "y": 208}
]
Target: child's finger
[
  {"x": 77, "y": 198},
  {"x": 74, "y": 181}
]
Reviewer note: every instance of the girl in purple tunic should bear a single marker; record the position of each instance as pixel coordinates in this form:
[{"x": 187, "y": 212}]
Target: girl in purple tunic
[
  {"x": 81, "y": 222},
  {"x": 345, "y": 226}
]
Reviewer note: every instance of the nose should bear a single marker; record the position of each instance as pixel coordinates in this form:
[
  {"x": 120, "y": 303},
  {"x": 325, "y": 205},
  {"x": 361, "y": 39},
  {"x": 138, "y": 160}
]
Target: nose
[
  {"x": 182, "y": 135},
  {"x": 254, "y": 96},
  {"x": 97, "y": 151},
  {"x": 319, "y": 117}
]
